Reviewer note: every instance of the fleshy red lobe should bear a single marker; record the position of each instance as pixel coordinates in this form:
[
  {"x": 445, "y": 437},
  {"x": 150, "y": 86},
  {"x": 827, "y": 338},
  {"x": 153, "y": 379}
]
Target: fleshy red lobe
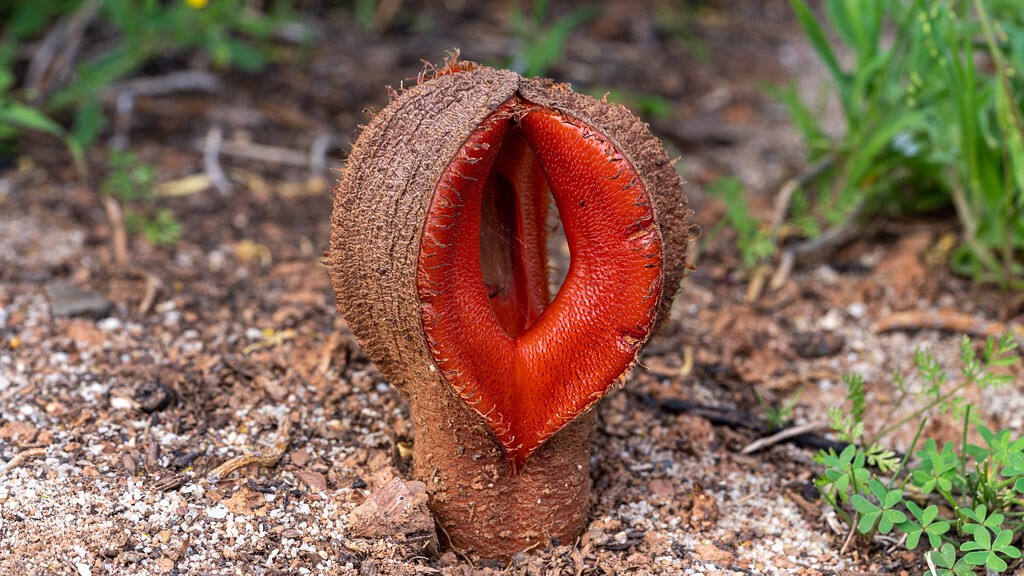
[{"x": 526, "y": 365}]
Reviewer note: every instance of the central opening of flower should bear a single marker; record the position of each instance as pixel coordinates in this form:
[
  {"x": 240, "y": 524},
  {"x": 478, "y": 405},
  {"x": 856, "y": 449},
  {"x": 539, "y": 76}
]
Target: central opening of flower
[
  {"x": 513, "y": 235},
  {"x": 526, "y": 362}
]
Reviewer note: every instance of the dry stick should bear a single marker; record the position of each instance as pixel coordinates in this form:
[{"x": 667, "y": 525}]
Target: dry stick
[
  {"x": 318, "y": 155},
  {"x": 171, "y": 83},
  {"x": 211, "y": 159},
  {"x": 831, "y": 239},
  {"x": 265, "y": 153},
  {"x": 327, "y": 352},
  {"x": 783, "y": 435},
  {"x": 785, "y": 195},
  {"x": 55, "y": 56},
  {"x": 124, "y": 94},
  {"x": 21, "y": 457},
  {"x": 949, "y": 320},
  {"x": 118, "y": 233},
  {"x": 738, "y": 419},
  {"x": 152, "y": 286},
  {"x": 849, "y": 537},
  {"x": 122, "y": 120},
  {"x": 266, "y": 459},
  {"x": 789, "y": 257}
]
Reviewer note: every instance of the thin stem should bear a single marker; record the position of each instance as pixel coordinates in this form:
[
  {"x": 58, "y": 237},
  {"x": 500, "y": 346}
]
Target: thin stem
[
  {"x": 906, "y": 457},
  {"x": 963, "y": 455},
  {"x": 917, "y": 413}
]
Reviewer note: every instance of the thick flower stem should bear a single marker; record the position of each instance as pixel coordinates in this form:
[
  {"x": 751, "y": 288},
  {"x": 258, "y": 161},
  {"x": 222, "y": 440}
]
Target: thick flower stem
[{"x": 486, "y": 509}]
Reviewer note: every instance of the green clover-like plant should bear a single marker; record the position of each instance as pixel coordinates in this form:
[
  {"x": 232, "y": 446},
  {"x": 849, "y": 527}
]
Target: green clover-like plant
[
  {"x": 844, "y": 473},
  {"x": 946, "y": 562},
  {"x": 1004, "y": 451},
  {"x": 884, "y": 513},
  {"x": 984, "y": 551},
  {"x": 923, "y": 524},
  {"x": 980, "y": 515},
  {"x": 937, "y": 469}
]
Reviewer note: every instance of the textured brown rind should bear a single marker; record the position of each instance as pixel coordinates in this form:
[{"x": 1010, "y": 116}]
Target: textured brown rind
[{"x": 376, "y": 227}]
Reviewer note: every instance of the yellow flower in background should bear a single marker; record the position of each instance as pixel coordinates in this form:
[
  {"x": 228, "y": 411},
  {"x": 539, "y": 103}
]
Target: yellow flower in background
[{"x": 197, "y": 4}]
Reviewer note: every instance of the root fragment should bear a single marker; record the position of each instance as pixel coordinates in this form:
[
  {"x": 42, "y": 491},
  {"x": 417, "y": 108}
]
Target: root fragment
[{"x": 267, "y": 459}]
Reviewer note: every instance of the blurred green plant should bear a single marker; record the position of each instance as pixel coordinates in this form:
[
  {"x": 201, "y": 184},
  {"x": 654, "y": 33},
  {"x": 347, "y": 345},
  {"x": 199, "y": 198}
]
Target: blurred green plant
[
  {"x": 753, "y": 239},
  {"x": 932, "y": 116},
  {"x": 133, "y": 184},
  {"x": 779, "y": 416},
  {"x": 125, "y": 35},
  {"x": 540, "y": 44},
  {"x": 647, "y": 106},
  {"x": 16, "y": 116},
  {"x": 966, "y": 504}
]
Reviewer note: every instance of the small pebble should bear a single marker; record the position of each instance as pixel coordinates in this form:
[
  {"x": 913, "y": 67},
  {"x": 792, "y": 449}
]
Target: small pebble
[
  {"x": 219, "y": 512},
  {"x": 68, "y": 300},
  {"x": 153, "y": 396}
]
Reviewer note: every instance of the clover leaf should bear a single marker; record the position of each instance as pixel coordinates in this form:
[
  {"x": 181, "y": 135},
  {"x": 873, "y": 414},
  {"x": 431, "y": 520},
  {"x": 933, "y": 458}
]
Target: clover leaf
[
  {"x": 883, "y": 513},
  {"x": 946, "y": 562},
  {"x": 983, "y": 551},
  {"x": 925, "y": 525}
]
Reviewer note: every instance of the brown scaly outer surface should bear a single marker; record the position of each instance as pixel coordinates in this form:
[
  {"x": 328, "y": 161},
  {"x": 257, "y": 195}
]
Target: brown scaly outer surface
[{"x": 377, "y": 220}]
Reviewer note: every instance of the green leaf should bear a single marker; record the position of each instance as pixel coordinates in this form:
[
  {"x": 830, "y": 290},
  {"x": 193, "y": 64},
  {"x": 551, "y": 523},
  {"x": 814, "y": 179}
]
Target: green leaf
[
  {"x": 927, "y": 527},
  {"x": 18, "y": 114},
  {"x": 31, "y": 118},
  {"x": 816, "y": 34},
  {"x": 88, "y": 122},
  {"x": 863, "y": 505},
  {"x": 889, "y": 519}
]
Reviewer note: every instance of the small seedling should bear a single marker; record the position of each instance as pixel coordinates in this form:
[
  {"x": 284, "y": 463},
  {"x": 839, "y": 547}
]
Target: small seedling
[
  {"x": 752, "y": 236},
  {"x": 133, "y": 184},
  {"x": 539, "y": 44},
  {"x": 964, "y": 503}
]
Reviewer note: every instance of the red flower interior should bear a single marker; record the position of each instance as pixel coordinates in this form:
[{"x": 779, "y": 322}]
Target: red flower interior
[{"x": 527, "y": 363}]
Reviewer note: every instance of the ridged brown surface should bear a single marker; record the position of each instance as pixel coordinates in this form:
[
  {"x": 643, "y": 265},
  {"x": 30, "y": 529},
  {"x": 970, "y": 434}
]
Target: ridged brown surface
[{"x": 376, "y": 226}]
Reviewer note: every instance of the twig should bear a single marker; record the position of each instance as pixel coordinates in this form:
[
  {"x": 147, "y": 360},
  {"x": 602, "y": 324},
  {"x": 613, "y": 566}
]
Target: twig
[
  {"x": 152, "y": 286},
  {"x": 830, "y": 240},
  {"x": 211, "y": 159},
  {"x": 21, "y": 457},
  {"x": 948, "y": 320},
  {"x": 265, "y": 153},
  {"x": 119, "y": 235},
  {"x": 171, "y": 83},
  {"x": 795, "y": 379},
  {"x": 266, "y": 459},
  {"x": 849, "y": 537},
  {"x": 125, "y": 94},
  {"x": 318, "y": 155},
  {"x": 931, "y": 565},
  {"x": 122, "y": 120},
  {"x": 701, "y": 131},
  {"x": 758, "y": 277},
  {"x": 327, "y": 353},
  {"x": 784, "y": 198},
  {"x": 783, "y": 435},
  {"x": 739, "y": 419},
  {"x": 55, "y": 56}
]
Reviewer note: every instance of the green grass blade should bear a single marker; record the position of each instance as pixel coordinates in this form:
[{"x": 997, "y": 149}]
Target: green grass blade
[{"x": 821, "y": 45}]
